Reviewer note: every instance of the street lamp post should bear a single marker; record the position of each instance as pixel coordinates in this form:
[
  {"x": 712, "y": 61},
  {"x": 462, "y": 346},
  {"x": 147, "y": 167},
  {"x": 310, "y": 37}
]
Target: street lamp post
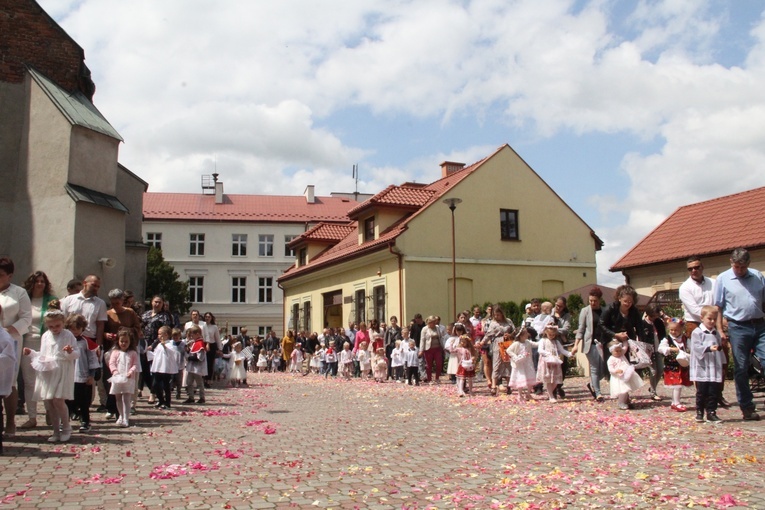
[{"x": 452, "y": 203}]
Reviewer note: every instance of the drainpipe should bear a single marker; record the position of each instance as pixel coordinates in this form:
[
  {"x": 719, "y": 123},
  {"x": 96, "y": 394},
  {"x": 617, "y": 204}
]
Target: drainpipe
[{"x": 400, "y": 257}]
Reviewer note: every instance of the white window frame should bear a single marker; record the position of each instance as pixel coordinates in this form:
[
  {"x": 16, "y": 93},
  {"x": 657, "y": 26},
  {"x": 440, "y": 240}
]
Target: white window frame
[
  {"x": 239, "y": 289},
  {"x": 196, "y": 287},
  {"x": 263, "y": 288},
  {"x": 196, "y": 245},
  {"x": 265, "y": 245},
  {"x": 154, "y": 239},
  {"x": 287, "y": 251},
  {"x": 238, "y": 245}
]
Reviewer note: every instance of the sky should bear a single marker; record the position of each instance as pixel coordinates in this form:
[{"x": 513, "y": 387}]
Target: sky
[{"x": 628, "y": 109}]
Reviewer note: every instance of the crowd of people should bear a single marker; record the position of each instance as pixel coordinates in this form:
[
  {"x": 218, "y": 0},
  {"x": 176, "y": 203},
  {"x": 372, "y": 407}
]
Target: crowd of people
[{"x": 67, "y": 352}]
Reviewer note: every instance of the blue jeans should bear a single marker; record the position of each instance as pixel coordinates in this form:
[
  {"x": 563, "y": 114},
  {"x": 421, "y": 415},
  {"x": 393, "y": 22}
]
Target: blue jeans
[{"x": 744, "y": 338}]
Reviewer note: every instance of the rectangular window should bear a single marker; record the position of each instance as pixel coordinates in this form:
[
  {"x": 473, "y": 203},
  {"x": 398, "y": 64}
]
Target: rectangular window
[
  {"x": 287, "y": 251},
  {"x": 238, "y": 289},
  {"x": 154, "y": 239},
  {"x": 263, "y": 330},
  {"x": 265, "y": 289},
  {"x": 196, "y": 289},
  {"x": 307, "y": 316},
  {"x": 359, "y": 301},
  {"x": 196, "y": 245},
  {"x": 235, "y": 330},
  {"x": 295, "y": 316},
  {"x": 266, "y": 245},
  {"x": 303, "y": 257},
  {"x": 369, "y": 229},
  {"x": 239, "y": 245},
  {"x": 379, "y": 298},
  {"x": 508, "y": 223}
]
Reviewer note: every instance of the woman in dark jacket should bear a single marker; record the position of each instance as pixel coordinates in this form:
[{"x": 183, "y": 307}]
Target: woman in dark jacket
[{"x": 621, "y": 319}]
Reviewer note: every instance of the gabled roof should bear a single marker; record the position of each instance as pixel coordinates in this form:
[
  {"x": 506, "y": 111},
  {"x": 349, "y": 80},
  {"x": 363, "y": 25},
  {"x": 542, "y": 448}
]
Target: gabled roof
[
  {"x": 737, "y": 220},
  {"x": 397, "y": 197},
  {"x": 263, "y": 208},
  {"x": 324, "y": 233},
  {"x": 77, "y": 109}
]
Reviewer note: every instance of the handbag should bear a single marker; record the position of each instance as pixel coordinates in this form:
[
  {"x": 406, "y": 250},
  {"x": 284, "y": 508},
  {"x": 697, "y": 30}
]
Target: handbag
[
  {"x": 683, "y": 359},
  {"x": 467, "y": 363}
]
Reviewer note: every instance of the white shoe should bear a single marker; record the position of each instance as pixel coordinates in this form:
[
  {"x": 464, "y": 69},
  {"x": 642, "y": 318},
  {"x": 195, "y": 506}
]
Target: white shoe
[
  {"x": 55, "y": 438},
  {"x": 124, "y": 423},
  {"x": 66, "y": 435}
]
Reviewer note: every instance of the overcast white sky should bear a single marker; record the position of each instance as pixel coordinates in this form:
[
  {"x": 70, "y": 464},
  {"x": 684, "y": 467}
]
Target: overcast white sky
[{"x": 628, "y": 108}]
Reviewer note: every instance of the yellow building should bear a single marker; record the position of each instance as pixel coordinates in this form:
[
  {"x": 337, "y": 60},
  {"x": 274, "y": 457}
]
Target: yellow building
[{"x": 515, "y": 238}]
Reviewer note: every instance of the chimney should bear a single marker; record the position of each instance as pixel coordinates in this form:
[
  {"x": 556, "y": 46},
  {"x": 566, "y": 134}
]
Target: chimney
[
  {"x": 449, "y": 167},
  {"x": 309, "y": 197},
  {"x": 218, "y": 192}
]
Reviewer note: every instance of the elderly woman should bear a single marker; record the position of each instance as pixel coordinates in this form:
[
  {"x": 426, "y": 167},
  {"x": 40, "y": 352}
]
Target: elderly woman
[
  {"x": 16, "y": 318},
  {"x": 494, "y": 336},
  {"x": 38, "y": 289},
  {"x": 588, "y": 336},
  {"x": 432, "y": 348}
]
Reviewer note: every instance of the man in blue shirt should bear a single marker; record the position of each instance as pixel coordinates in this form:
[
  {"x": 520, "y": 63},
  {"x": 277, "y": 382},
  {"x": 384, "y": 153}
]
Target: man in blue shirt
[{"x": 740, "y": 295}]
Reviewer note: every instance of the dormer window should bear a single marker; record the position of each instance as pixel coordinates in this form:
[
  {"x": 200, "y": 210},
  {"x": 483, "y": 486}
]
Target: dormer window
[
  {"x": 369, "y": 229},
  {"x": 302, "y": 257}
]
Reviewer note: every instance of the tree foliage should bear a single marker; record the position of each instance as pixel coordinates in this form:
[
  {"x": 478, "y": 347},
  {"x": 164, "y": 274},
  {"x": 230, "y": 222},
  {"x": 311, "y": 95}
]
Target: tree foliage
[{"x": 162, "y": 280}]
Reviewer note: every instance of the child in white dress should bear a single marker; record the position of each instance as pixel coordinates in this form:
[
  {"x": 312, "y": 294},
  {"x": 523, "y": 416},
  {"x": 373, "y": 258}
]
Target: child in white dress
[
  {"x": 466, "y": 363},
  {"x": 397, "y": 362},
  {"x": 296, "y": 359},
  {"x": 706, "y": 365},
  {"x": 522, "y": 378},
  {"x": 236, "y": 371},
  {"x": 623, "y": 376},
  {"x": 276, "y": 359},
  {"x": 380, "y": 364},
  {"x": 54, "y": 364},
  {"x": 262, "y": 361},
  {"x": 164, "y": 367},
  {"x": 550, "y": 366},
  {"x": 451, "y": 345},
  {"x": 346, "y": 361},
  {"x": 365, "y": 360},
  {"x": 123, "y": 364},
  {"x": 7, "y": 369}
]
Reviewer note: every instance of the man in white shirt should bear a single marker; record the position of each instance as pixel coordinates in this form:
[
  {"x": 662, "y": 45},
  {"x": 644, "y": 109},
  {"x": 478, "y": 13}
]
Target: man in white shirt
[
  {"x": 89, "y": 305},
  {"x": 695, "y": 292}
]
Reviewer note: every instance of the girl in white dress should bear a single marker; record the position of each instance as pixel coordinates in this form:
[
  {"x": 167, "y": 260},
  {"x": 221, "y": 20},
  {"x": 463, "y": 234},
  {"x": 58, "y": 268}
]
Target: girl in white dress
[
  {"x": 623, "y": 376},
  {"x": 451, "y": 345},
  {"x": 124, "y": 364},
  {"x": 54, "y": 364},
  {"x": 262, "y": 361},
  {"x": 236, "y": 371},
  {"x": 550, "y": 366},
  {"x": 522, "y": 378},
  {"x": 365, "y": 361}
]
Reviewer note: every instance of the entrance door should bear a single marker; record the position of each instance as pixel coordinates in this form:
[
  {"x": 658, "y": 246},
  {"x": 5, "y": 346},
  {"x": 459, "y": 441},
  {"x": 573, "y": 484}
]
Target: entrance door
[{"x": 333, "y": 309}]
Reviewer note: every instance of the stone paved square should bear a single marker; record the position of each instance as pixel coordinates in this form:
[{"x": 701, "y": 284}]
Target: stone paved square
[{"x": 305, "y": 442}]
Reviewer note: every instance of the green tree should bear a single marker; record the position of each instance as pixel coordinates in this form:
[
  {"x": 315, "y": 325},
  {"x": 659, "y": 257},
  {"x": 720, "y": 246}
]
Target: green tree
[{"x": 162, "y": 280}]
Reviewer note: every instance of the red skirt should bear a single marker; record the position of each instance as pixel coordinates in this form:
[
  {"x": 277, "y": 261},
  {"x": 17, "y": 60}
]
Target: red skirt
[
  {"x": 467, "y": 374},
  {"x": 677, "y": 377}
]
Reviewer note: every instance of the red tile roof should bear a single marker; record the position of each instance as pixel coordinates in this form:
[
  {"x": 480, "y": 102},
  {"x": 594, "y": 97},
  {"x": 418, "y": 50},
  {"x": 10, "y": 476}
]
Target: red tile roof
[
  {"x": 258, "y": 208},
  {"x": 736, "y": 220},
  {"x": 324, "y": 233},
  {"x": 399, "y": 197}
]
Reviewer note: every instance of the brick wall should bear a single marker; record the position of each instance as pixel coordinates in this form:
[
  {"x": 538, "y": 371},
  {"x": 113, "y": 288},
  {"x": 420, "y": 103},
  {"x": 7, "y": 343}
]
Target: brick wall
[{"x": 31, "y": 37}]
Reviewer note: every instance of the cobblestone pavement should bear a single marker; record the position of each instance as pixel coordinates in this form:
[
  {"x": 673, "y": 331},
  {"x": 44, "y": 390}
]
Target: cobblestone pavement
[{"x": 305, "y": 442}]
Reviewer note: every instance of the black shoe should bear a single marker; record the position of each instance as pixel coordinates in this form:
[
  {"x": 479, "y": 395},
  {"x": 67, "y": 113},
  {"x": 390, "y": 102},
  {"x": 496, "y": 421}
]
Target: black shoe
[
  {"x": 85, "y": 427},
  {"x": 723, "y": 403},
  {"x": 700, "y": 416},
  {"x": 750, "y": 415},
  {"x": 712, "y": 418},
  {"x": 589, "y": 388},
  {"x": 561, "y": 393},
  {"x": 188, "y": 401},
  {"x": 201, "y": 401},
  {"x": 207, "y": 385},
  {"x": 101, "y": 409}
]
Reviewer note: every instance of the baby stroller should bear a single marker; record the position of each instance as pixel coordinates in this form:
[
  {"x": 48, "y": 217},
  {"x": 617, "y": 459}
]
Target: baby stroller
[{"x": 756, "y": 376}]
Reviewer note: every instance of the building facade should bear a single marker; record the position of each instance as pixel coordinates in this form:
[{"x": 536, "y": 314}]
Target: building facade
[
  {"x": 514, "y": 238},
  {"x": 59, "y": 160},
  {"x": 232, "y": 248}
]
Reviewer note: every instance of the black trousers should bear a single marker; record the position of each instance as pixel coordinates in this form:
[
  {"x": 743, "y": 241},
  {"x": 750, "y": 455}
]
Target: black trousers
[
  {"x": 211, "y": 355},
  {"x": 413, "y": 372},
  {"x": 83, "y": 394},
  {"x": 707, "y": 396},
  {"x": 161, "y": 387}
]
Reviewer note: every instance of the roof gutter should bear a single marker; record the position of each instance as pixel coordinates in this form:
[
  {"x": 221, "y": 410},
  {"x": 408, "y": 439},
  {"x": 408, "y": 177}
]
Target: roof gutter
[{"x": 400, "y": 257}]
